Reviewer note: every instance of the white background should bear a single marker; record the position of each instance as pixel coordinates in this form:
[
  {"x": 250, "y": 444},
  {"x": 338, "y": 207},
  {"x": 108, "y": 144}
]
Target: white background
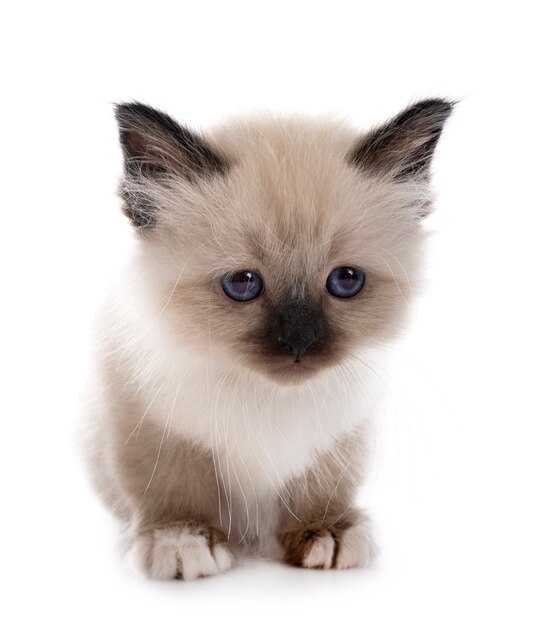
[{"x": 457, "y": 486}]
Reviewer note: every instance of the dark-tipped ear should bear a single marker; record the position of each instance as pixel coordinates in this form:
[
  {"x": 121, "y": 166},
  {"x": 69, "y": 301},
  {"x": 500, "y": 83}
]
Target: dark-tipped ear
[
  {"x": 403, "y": 147},
  {"x": 156, "y": 147},
  {"x": 154, "y": 144}
]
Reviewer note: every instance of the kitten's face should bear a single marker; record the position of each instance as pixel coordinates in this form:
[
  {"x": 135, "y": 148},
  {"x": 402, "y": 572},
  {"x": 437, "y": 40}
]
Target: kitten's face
[{"x": 280, "y": 246}]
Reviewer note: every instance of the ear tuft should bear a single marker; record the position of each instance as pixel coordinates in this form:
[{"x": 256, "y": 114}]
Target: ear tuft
[
  {"x": 403, "y": 147},
  {"x": 156, "y": 147}
]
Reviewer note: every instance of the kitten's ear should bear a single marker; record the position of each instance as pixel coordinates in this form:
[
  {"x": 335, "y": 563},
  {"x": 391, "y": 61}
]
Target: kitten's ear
[
  {"x": 154, "y": 144},
  {"x": 156, "y": 147},
  {"x": 403, "y": 147}
]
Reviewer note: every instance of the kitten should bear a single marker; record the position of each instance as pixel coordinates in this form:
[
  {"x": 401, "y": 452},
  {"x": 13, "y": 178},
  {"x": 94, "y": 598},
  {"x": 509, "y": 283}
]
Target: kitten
[{"x": 231, "y": 401}]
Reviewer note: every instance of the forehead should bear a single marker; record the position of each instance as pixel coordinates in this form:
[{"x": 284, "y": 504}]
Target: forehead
[
  {"x": 290, "y": 203},
  {"x": 291, "y": 186}
]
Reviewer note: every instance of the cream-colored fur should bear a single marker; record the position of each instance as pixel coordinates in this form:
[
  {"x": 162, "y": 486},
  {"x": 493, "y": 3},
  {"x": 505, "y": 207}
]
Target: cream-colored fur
[{"x": 189, "y": 420}]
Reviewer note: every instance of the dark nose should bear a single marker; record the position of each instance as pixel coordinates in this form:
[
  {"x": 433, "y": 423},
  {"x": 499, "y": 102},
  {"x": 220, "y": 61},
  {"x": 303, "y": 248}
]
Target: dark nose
[{"x": 298, "y": 340}]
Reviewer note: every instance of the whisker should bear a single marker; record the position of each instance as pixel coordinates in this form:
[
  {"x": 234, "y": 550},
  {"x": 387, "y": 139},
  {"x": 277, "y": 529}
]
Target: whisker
[
  {"x": 394, "y": 278},
  {"x": 141, "y": 420},
  {"x": 167, "y": 423}
]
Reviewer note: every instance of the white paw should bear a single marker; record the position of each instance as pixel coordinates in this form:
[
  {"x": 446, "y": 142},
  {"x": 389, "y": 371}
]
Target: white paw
[
  {"x": 357, "y": 548},
  {"x": 321, "y": 554},
  {"x": 339, "y": 548},
  {"x": 182, "y": 552}
]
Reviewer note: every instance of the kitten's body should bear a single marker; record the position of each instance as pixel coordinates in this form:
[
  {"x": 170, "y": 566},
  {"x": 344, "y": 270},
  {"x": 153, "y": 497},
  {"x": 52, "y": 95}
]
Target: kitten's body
[{"x": 206, "y": 433}]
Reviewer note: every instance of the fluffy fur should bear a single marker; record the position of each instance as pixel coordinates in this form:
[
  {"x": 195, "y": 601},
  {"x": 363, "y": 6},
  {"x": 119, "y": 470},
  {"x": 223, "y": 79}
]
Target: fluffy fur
[{"x": 205, "y": 434}]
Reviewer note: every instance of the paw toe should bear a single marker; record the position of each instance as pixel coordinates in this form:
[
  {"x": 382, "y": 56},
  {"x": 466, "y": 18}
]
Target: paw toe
[
  {"x": 321, "y": 552},
  {"x": 356, "y": 548},
  {"x": 183, "y": 552}
]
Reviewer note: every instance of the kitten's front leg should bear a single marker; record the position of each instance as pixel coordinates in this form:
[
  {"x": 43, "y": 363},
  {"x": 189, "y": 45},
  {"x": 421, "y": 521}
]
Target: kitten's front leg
[
  {"x": 322, "y": 530},
  {"x": 173, "y": 506}
]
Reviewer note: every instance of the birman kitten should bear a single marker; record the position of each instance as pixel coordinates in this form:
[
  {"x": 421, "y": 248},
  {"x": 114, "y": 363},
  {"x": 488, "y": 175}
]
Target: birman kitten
[{"x": 232, "y": 398}]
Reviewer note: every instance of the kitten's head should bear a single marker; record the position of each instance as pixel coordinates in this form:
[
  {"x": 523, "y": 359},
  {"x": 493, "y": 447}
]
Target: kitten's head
[{"x": 282, "y": 246}]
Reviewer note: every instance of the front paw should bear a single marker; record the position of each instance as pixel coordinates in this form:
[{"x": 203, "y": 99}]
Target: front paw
[
  {"x": 183, "y": 551},
  {"x": 315, "y": 547}
]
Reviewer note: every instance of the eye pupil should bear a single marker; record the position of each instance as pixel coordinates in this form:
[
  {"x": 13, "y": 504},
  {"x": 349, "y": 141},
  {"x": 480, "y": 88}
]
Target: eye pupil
[
  {"x": 242, "y": 286},
  {"x": 345, "y": 282},
  {"x": 241, "y": 281},
  {"x": 347, "y": 277}
]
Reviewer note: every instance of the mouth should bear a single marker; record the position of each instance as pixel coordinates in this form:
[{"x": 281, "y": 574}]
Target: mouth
[
  {"x": 277, "y": 364},
  {"x": 296, "y": 366},
  {"x": 292, "y": 371}
]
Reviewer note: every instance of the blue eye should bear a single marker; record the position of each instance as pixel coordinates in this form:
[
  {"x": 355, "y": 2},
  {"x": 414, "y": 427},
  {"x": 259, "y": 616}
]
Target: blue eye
[
  {"x": 345, "y": 282},
  {"x": 242, "y": 286}
]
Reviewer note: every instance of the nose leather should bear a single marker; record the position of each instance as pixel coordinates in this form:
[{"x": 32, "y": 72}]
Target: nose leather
[
  {"x": 299, "y": 325},
  {"x": 298, "y": 340}
]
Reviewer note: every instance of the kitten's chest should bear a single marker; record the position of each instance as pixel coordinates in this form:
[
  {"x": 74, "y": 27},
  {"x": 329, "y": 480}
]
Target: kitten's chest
[{"x": 260, "y": 438}]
